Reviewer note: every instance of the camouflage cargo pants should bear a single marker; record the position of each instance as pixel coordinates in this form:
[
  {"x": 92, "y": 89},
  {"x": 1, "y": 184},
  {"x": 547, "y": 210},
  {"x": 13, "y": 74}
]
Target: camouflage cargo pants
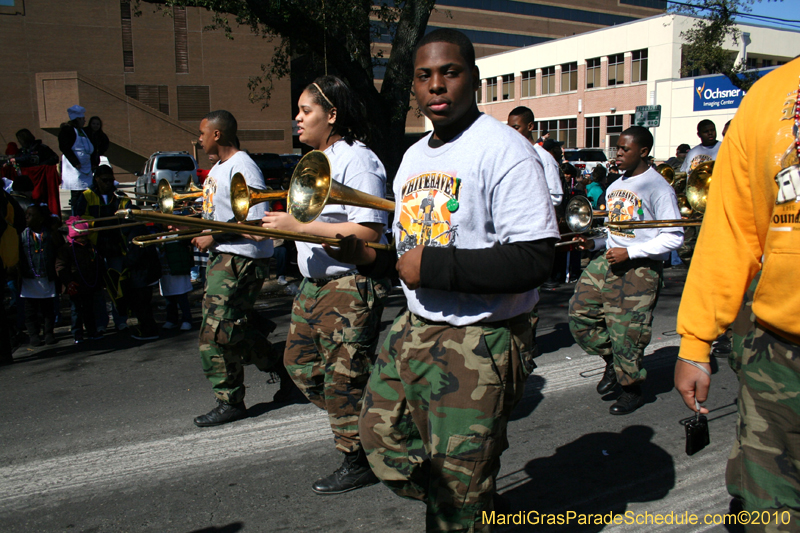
[
  {"x": 331, "y": 346},
  {"x": 764, "y": 465},
  {"x": 611, "y": 313},
  {"x": 436, "y": 411},
  {"x": 231, "y": 334}
]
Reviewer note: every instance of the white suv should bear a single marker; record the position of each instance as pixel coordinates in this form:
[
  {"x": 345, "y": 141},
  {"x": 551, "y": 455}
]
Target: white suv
[
  {"x": 585, "y": 159},
  {"x": 178, "y": 168}
]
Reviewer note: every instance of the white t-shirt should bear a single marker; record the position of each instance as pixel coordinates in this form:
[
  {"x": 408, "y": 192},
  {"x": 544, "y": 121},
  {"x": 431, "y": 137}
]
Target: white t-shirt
[
  {"x": 217, "y": 204},
  {"x": 700, "y": 154},
  {"x": 647, "y": 196},
  {"x": 497, "y": 193},
  {"x": 552, "y": 173},
  {"x": 357, "y": 167}
]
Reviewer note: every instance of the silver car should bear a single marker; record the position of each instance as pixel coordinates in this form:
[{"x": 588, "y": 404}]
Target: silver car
[{"x": 178, "y": 168}]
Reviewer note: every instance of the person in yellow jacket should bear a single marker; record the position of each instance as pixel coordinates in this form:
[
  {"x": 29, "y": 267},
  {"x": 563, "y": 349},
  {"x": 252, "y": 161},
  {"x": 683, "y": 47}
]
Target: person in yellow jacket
[{"x": 752, "y": 227}]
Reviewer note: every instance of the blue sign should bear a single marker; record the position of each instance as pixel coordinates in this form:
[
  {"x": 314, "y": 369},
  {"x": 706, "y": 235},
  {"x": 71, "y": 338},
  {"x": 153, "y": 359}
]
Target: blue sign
[{"x": 716, "y": 92}]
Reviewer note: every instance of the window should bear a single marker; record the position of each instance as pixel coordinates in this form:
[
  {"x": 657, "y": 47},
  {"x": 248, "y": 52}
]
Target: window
[
  {"x": 593, "y": 73},
  {"x": 155, "y": 96},
  {"x": 180, "y": 30},
  {"x": 564, "y": 130},
  {"x": 175, "y": 162},
  {"x": 479, "y": 94},
  {"x": 528, "y": 85},
  {"x": 491, "y": 89},
  {"x": 616, "y": 69},
  {"x": 193, "y": 102},
  {"x": 569, "y": 77},
  {"x": 766, "y": 63},
  {"x": 548, "y": 80},
  {"x": 752, "y": 62},
  {"x": 613, "y": 129},
  {"x": 127, "y": 35},
  {"x": 639, "y": 65},
  {"x": 508, "y": 86},
  {"x": 593, "y": 132}
]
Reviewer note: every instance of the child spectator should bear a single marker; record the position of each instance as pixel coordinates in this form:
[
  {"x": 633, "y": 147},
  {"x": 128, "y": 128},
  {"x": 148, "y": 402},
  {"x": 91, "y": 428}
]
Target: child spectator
[
  {"x": 80, "y": 268},
  {"x": 38, "y": 249},
  {"x": 176, "y": 264},
  {"x": 144, "y": 270}
]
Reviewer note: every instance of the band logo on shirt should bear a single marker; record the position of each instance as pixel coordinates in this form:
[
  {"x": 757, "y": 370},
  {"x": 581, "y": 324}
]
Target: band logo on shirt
[
  {"x": 623, "y": 205},
  {"x": 425, "y": 218},
  {"x": 697, "y": 160},
  {"x": 209, "y": 190}
]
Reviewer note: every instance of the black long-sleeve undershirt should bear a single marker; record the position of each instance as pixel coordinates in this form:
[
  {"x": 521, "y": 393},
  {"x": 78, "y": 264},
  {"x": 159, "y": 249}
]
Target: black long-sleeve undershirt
[{"x": 502, "y": 269}]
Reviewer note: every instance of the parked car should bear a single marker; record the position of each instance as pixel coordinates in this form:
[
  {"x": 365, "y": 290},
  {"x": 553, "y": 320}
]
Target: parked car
[
  {"x": 585, "y": 159},
  {"x": 178, "y": 168},
  {"x": 289, "y": 162},
  {"x": 271, "y": 167}
]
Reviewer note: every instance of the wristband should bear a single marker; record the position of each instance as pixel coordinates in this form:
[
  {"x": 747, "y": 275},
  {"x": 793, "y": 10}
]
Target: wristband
[{"x": 695, "y": 364}]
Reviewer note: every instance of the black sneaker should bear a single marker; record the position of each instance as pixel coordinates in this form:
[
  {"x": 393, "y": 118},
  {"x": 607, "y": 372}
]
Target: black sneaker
[
  {"x": 629, "y": 401},
  {"x": 609, "y": 380},
  {"x": 354, "y": 473},
  {"x": 140, "y": 335},
  {"x": 36, "y": 340},
  {"x": 222, "y": 414}
]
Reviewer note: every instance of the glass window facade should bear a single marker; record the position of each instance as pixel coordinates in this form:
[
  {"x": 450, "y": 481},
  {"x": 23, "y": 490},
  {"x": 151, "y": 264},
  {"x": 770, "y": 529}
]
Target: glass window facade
[
  {"x": 491, "y": 89},
  {"x": 548, "y": 80},
  {"x": 639, "y": 65},
  {"x": 593, "y": 73},
  {"x": 564, "y": 130},
  {"x": 592, "y": 132},
  {"x": 569, "y": 77},
  {"x": 616, "y": 69},
  {"x": 528, "y": 84},
  {"x": 508, "y": 86}
]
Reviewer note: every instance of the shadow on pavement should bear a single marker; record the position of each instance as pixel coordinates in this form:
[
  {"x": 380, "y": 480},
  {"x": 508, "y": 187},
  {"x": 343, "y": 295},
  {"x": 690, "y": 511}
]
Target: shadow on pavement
[
  {"x": 593, "y": 475},
  {"x": 230, "y": 528}
]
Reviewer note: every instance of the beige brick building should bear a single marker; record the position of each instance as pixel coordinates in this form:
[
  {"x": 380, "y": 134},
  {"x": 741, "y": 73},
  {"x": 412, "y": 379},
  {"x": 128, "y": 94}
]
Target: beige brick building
[
  {"x": 584, "y": 89},
  {"x": 150, "y": 78}
]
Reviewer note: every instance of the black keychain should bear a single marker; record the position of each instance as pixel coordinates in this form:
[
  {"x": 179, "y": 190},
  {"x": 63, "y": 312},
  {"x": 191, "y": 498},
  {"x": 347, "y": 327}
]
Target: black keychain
[{"x": 697, "y": 436}]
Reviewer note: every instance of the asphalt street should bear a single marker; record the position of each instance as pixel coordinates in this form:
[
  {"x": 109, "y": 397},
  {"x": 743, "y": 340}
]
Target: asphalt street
[{"x": 100, "y": 438}]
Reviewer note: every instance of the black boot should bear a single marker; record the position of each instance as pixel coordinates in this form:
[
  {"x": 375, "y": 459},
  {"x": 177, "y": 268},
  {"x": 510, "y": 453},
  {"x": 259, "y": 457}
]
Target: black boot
[
  {"x": 609, "y": 380},
  {"x": 353, "y": 474},
  {"x": 629, "y": 401},
  {"x": 222, "y": 414}
]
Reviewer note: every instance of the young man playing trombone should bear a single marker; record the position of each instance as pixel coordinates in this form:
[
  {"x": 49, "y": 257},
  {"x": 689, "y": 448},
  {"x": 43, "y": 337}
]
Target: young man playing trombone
[
  {"x": 237, "y": 268},
  {"x": 611, "y": 312}
]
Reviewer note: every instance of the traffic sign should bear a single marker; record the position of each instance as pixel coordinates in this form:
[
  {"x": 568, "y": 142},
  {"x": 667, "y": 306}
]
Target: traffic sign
[{"x": 648, "y": 116}]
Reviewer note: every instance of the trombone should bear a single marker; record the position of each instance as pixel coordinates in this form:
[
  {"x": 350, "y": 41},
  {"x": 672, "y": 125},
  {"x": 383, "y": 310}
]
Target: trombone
[
  {"x": 166, "y": 198},
  {"x": 312, "y": 188},
  {"x": 243, "y": 197},
  {"x": 228, "y": 227},
  {"x": 580, "y": 216}
]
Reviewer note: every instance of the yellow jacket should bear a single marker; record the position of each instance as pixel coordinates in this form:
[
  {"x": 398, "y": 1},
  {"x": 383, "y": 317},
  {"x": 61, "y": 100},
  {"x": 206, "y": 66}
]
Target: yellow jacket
[{"x": 744, "y": 231}]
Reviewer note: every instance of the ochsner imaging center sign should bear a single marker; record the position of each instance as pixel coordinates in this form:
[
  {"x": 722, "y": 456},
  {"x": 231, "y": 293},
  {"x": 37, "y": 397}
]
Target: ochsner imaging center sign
[{"x": 716, "y": 92}]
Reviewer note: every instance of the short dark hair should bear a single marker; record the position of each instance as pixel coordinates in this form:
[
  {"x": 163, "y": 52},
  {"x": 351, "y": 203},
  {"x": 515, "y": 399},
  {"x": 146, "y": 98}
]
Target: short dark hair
[
  {"x": 641, "y": 136},
  {"x": 599, "y": 173},
  {"x": 100, "y": 120},
  {"x": 705, "y": 122},
  {"x": 449, "y": 35},
  {"x": 103, "y": 170},
  {"x": 524, "y": 113},
  {"x": 225, "y": 122},
  {"x": 684, "y": 148},
  {"x": 25, "y": 137},
  {"x": 351, "y": 117},
  {"x": 569, "y": 169}
]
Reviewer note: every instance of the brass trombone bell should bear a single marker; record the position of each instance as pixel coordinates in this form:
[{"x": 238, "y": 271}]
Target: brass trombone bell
[
  {"x": 580, "y": 215},
  {"x": 667, "y": 171},
  {"x": 312, "y": 188},
  {"x": 167, "y": 198},
  {"x": 232, "y": 227},
  {"x": 698, "y": 184},
  {"x": 243, "y": 197}
]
